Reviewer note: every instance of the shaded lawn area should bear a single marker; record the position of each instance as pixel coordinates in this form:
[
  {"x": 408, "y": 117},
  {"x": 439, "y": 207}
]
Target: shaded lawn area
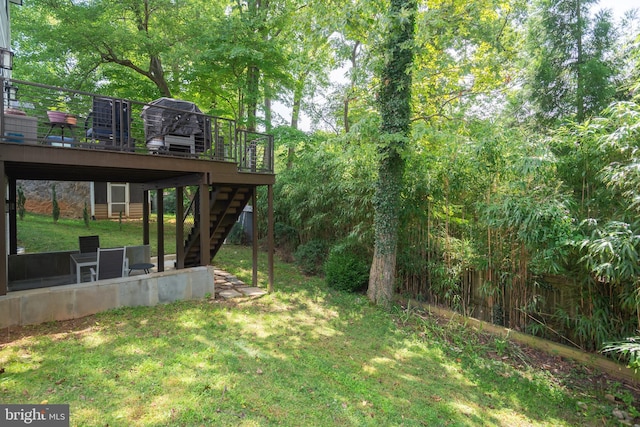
[{"x": 302, "y": 356}]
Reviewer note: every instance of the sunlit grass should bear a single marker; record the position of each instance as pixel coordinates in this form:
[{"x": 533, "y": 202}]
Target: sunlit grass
[
  {"x": 302, "y": 356},
  {"x": 38, "y": 233}
]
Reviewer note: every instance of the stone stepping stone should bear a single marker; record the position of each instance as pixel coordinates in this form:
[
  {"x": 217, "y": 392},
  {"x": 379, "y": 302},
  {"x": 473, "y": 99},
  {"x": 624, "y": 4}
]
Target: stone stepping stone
[
  {"x": 251, "y": 291},
  {"x": 230, "y": 293},
  {"x": 223, "y": 274}
]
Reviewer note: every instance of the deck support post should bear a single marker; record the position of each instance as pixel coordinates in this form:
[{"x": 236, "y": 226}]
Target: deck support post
[
  {"x": 205, "y": 223},
  {"x": 270, "y": 240},
  {"x": 179, "y": 228},
  {"x": 13, "y": 220},
  {"x": 160, "y": 215},
  {"x": 254, "y": 234},
  {"x": 4, "y": 279},
  {"x": 145, "y": 217}
]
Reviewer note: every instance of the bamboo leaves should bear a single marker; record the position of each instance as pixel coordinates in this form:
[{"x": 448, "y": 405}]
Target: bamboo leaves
[{"x": 611, "y": 253}]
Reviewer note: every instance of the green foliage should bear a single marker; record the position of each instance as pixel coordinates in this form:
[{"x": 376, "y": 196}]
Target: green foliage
[
  {"x": 286, "y": 239},
  {"x": 541, "y": 221},
  {"x": 628, "y": 348},
  {"x": 570, "y": 51},
  {"x": 611, "y": 254},
  {"x": 55, "y": 208},
  {"x": 170, "y": 203},
  {"x": 347, "y": 266},
  {"x": 22, "y": 200},
  {"x": 464, "y": 61},
  {"x": 108, "y": 44},
  {"x": 237, "y": 235},
  {"x": 85, "y": 215},
  {"x": 311, "y": 256},
  {"x": 326, "y": 193}
]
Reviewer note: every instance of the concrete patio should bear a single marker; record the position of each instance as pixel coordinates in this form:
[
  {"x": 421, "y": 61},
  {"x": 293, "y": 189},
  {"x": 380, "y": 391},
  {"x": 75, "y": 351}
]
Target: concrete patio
[{"x": 34, "y": 306}]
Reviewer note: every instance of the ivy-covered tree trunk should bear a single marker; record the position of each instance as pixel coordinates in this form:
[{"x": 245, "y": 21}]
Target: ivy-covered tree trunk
[{"x": 395, "y": 110}]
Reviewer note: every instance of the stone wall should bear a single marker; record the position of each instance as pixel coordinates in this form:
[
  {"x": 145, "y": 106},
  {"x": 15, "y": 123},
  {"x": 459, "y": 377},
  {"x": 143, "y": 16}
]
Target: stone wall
[{"x": 71, "y": 197}]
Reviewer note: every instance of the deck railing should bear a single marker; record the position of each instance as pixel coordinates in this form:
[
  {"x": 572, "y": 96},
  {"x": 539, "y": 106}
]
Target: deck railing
[{"x": 73, "y": 119}]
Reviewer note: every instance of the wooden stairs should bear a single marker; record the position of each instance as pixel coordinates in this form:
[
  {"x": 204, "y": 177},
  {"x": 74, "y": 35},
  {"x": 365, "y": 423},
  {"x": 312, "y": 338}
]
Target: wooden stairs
[{"x": 225, "y": 206}]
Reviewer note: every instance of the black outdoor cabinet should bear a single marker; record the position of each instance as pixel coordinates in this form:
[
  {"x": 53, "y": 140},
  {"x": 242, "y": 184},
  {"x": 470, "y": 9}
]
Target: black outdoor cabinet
[{"x": 109, "y": 123}]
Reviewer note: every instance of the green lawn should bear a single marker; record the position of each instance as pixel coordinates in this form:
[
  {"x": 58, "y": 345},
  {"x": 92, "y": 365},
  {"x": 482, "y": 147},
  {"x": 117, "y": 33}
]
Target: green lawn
[
  {"x": 304, "y": 355},
  {"x": 38, "y": 233}
]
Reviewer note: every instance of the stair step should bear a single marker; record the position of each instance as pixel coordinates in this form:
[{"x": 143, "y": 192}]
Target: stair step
[{"x": 226, "y": 204}]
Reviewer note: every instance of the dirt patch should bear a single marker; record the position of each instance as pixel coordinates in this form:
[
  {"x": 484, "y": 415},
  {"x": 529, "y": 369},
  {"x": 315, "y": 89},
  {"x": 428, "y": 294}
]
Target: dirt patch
[
  {"x": 17, "y": 333},
  {"x": 565, "y": 372}
]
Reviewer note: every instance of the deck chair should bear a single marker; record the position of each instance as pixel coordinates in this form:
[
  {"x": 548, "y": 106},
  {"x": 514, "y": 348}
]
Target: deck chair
[
  {"x": 111, "y": 263},
  {"x": 88, "y": 244},
  {"x": 109, "y": 123},
  {"x": 138, "y": 254}
]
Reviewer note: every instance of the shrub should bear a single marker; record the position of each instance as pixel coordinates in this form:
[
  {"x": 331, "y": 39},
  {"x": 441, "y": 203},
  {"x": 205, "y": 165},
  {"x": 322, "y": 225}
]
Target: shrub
[
  {"x": 22, "y": 200},
  {"x": 237, "y": 235},
  {"x": 55, "y": 207},
  {"x": 310, "y": 257},
  {"x": 286, "y": 240},
  {"x": 347, "y": 267},
  {"x": 85, "y": 215}
]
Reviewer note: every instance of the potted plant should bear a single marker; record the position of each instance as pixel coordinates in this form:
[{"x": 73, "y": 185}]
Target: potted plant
[
  {"x": 59, "y": 113},
  {"x": 71, "y": 119},
  {"x": 56, "y": 116}
]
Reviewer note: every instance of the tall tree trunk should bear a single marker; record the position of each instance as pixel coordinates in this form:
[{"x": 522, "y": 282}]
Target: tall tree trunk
[
  {"x": 395, "y": 111},
  {"x": 156, "y": 73},
  {"x": 297, "y": 100},
  {"x": 268, "y": 116},
  {"x": 295, "y": 113},
  {"x": 268, "y": 109},
  {"x": 579, "y": 73},
  {"x": 349, "y": 96},
  {"x": 386, "y": 220},
  {"x": 253, "y": 73},
  {"x": 253, "y": 79}
]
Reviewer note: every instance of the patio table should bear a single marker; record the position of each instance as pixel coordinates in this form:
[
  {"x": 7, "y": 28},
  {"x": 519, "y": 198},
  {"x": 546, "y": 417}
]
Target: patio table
[
  {"x": 88, "y": 259},
  {"x": 145, "y": 266},
  {"x": 64, "y": 142}
]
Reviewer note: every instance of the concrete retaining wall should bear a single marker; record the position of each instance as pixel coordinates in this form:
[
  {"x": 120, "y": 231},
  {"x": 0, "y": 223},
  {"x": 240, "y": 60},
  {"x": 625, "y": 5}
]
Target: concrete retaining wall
[{"x": 78, "y": 300}]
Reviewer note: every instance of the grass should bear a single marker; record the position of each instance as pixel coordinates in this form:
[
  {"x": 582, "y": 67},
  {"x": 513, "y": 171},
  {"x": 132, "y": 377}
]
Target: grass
[
  {"x": 38, "y": 233},
  {"x": 304, "y": 355}
]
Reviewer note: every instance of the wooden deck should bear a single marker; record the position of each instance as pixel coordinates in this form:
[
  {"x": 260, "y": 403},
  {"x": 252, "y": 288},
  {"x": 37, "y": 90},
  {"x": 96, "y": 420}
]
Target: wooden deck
[
  {"x": 227, "y": 164},
  {"x": 41, "y": 162}
]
